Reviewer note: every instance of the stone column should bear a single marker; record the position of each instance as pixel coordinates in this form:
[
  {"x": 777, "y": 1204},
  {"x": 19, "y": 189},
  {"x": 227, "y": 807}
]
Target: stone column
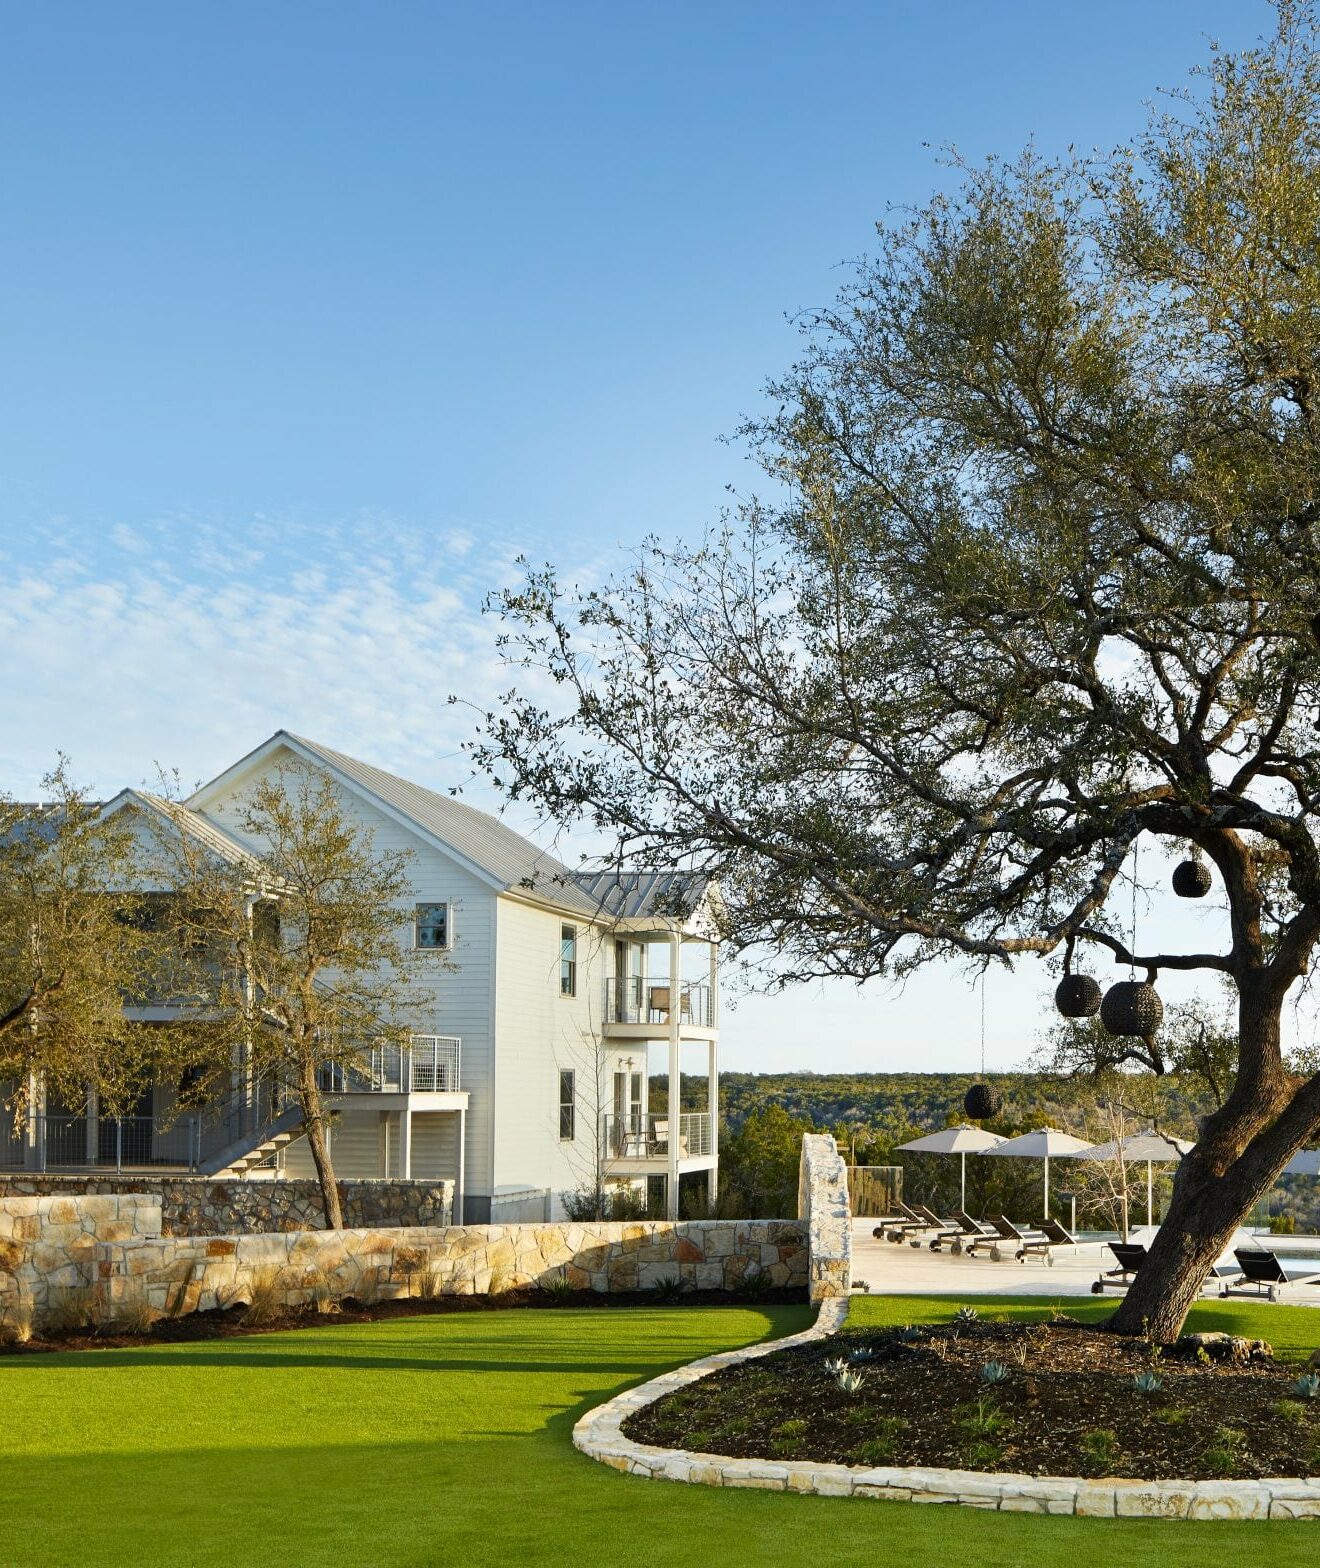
[{"x": 675, "y": 1024}]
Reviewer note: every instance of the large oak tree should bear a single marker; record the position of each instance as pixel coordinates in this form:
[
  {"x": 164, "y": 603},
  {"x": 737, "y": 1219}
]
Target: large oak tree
[{"x": 1036, "y": 579}]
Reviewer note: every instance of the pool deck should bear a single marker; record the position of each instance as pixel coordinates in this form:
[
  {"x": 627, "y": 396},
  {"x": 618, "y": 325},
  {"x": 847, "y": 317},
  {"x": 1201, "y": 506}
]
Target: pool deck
[{"x": 904, "y": 1270}]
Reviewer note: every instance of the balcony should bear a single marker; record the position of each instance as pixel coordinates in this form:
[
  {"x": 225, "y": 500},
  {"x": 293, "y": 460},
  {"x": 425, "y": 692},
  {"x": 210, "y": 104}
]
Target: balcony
[
  {"x": 428, "y": 1064},
  {"x": 642, "y": 1141},
  {"x": 645, "y": 1003}
]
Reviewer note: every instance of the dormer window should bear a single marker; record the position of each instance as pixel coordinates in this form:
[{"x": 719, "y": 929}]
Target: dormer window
[{"x": 432, "y": 928}]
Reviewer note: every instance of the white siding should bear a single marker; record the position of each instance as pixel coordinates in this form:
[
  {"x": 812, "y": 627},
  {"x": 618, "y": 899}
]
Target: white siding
[
  {"x": 540, "y": 1031},
  {"x": 453, "y": 999}
]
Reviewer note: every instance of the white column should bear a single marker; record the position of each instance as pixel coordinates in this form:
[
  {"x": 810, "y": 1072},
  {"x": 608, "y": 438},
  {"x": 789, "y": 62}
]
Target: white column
[
  {"x": 405, "y": 1143},
  {"x": 460, "y": 1181},
  {"x": 713, "y": 1111},
  {"x": 675, "y": 1019}
]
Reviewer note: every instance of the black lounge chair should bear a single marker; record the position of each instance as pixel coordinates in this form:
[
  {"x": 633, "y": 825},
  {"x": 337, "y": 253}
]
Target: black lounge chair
[
  {"x": 1265, "y": 1273},
  {"x": 973, "y": 1231},
  {"x": 901, "y": 1228},
  {"x": 1129, "y": 1255}
]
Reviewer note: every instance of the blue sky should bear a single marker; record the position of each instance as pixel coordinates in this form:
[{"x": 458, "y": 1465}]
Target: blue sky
[{"x": 315, "y": 316}]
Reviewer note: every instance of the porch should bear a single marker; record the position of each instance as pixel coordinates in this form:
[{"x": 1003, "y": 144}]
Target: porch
[{"x": 639, "y": 1144}]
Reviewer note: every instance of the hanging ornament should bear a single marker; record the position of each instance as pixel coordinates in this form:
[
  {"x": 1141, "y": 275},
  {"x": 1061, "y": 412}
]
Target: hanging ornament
[
  {"x": 981, "y": 1101},
  {"x": 1076, "y": 996},
  {"x": 1192, "y": 879},
  {"x": 1133, "y": 1007}
]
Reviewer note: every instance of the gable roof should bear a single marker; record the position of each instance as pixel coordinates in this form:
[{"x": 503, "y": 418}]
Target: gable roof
[
  {"x": 210, "y": 835},
  {"x": 507, "y": 860}
]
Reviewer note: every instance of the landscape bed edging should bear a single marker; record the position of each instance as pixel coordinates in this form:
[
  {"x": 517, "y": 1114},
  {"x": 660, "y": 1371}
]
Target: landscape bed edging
[{"x": 599, "y": 1434}]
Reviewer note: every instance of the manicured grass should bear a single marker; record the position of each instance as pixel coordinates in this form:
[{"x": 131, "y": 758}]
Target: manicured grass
[{"x": 446, "y": 1440}]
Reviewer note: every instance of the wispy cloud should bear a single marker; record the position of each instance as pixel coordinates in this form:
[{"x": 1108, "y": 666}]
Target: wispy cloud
[{"x": 185, "y": 641}]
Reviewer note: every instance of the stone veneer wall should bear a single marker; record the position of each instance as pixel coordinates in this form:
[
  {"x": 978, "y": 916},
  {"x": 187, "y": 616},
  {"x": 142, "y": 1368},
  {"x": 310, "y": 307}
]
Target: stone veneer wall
[
  {"x": 111, "y": 1246},
  {"x": 823, "y": 1207},
  {"x": 207, "y": 1206}
]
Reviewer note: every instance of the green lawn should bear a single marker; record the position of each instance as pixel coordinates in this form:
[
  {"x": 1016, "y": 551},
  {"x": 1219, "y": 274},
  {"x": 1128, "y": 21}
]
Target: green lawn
[{"x": 446, "y": 1440}]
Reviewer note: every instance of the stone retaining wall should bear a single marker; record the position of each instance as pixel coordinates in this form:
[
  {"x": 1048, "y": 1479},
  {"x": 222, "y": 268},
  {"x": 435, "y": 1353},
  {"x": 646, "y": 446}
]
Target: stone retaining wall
[
  {"x": 600, "y": 1434},
  {"x": 207, "y": 1206},
  {"x": 124, "y": 1267},
  {"x": 823, "y": 1207}
]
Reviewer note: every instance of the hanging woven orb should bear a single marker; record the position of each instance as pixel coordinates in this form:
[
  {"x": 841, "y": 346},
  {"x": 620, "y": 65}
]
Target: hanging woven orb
[
  {"x": 1077, "y": 996},
  {"x": 1192, "y": 879},
  {"x": 982, "y": 1102},
  {"x": 1132, "y": 1007}
]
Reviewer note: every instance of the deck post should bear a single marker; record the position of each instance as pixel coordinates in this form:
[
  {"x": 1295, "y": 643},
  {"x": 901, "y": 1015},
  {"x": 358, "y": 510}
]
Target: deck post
[{"x": 675, "y": 1024}]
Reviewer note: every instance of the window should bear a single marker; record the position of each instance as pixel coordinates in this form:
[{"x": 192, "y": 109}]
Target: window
[
  {"x": 568, "y": 960},
  {"x": 567, "y": 1106},
  {"x": 431, "y": 927}
]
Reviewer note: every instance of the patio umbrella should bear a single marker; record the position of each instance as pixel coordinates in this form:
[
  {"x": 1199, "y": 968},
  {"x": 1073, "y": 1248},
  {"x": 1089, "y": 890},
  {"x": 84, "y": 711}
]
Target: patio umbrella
[
  {"x": 963, "y": 1140},
  {"x": 1156, "y": 1148},
  {"x": 1047, "y": 1144}
]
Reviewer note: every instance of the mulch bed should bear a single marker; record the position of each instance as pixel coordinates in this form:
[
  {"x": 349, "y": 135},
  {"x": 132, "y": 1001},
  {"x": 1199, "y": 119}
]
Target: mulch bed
[
  {"x": 1067, "y": 1406},
  {"x": 235, "y": 1322}
]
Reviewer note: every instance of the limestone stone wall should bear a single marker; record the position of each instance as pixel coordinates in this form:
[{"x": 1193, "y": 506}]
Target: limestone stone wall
[
  {"x": 128, "y": 1271},
  {"x": 205, "y": 1206},
  {"x": 823, "y": 1208}
]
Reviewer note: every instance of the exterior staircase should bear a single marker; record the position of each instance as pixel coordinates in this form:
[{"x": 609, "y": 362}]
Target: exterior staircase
[{"x": 254, "y": 1147}]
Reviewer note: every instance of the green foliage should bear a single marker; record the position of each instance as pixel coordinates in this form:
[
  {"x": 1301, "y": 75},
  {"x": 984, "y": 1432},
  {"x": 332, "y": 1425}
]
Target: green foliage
[
  {"x": 1099, "y": 1452},
  {"x": 1224, "y": 1454},
  {"x": 1307, "y": 1386},
  {"x": 1147, "y": 1383},
  {"x": 994, "y": 1372}
]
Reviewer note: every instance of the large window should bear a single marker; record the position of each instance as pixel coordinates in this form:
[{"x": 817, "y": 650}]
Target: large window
[
  {"x": 567, "y": 1105},
  {"x": 431, "y": 928},
  {"x": 568, "y": 960}
]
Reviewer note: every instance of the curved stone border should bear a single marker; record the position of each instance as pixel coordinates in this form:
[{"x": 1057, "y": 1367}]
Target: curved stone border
[{"x": 599, "y": 1434}]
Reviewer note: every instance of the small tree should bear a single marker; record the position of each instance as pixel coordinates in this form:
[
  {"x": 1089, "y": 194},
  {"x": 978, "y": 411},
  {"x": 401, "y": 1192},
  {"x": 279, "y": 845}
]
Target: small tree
[
  {"x": 76, "y": 943},
  {"x": 308, "y": 975},
  {"x": 1041, "y": 580}
]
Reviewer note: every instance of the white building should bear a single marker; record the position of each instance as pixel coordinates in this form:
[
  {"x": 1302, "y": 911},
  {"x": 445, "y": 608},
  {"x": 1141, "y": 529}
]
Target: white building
[{"x": 548, "y": 999}]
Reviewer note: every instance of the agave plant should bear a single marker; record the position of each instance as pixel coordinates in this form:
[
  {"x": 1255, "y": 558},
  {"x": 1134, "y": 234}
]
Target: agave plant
[
  {"x": 994, "y": 1372},
  {"x": 966, "y": 1315},
  {"x": 1307, "y": 1386},
  {"x": 907, "y": 1333},
  {"x": 849, "y": 1382},
  {"x": 835, "y": 1365},
  {"x": 1147, "y": 1383},
  {"x": 861, "y": 1354}
]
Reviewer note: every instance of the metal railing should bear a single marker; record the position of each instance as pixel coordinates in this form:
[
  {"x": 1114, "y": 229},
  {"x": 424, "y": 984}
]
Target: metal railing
[
  {"x": 634, "y": 999},
  {"x": 428, "y": 1064},
  {"x": 83, "y": 1142},
  {"x": 646, "y": 1137}
]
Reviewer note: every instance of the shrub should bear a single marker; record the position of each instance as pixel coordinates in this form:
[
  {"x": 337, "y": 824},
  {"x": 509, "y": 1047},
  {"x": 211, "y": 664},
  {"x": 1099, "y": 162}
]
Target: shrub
[
  {"x": 752, "y": 1286},
  {"x": 557, "y": 1286},
  {"x": 265, "y": 1300},
  {"x": 785, "y": 1438},
  {"x": 1174, "y": 1415},
  {"x": 669, "y": 1288},
  {"x": 16, "y": 1321},
  {"x": 981, "y": 1419},
  {"x": 1224, "y": 1455},
  {"x": 983, "y": 1456},
  {"x": 430, "y": 1285},
  {"x": 1100, "y": 1453},
  {"x": 135, "y": 1314},
  {"x": 70, "y": 1311},
  {"x": 1290, "y": 1410},
  {"x": 881, "y": 1443}
]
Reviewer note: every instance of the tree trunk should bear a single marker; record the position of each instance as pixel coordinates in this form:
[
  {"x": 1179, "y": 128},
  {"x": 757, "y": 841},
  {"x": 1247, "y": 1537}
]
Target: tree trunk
[
  {"x": 1242, "y": 1148},
  {"x": 313, "y": 1110}
]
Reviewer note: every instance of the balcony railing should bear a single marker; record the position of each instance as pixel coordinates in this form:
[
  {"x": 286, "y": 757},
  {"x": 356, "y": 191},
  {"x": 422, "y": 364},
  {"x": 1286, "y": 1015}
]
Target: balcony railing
[
  {"x": 635, "y": 999},
  {"x": 80, "y": 1142},
  {"x": 646, "y": 1137},
  {"x": 429, "y": 1064}
]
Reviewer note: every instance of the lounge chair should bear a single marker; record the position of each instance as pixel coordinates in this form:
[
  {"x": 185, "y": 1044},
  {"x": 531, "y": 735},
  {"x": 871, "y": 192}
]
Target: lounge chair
[
  {"x": 945, "y": 1230},
  {"x": 1264, "y": 1273},
  {"x": 907, "y": 1223},
  {"x": 1129, "y": 1255},
  {"x": 972, "y": 1232},
  {"x": 1021, "y": 1240}
]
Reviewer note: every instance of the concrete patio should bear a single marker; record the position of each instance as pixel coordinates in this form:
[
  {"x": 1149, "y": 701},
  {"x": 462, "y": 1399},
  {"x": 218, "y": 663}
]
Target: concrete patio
[{"x": 905, "y": 1270}]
